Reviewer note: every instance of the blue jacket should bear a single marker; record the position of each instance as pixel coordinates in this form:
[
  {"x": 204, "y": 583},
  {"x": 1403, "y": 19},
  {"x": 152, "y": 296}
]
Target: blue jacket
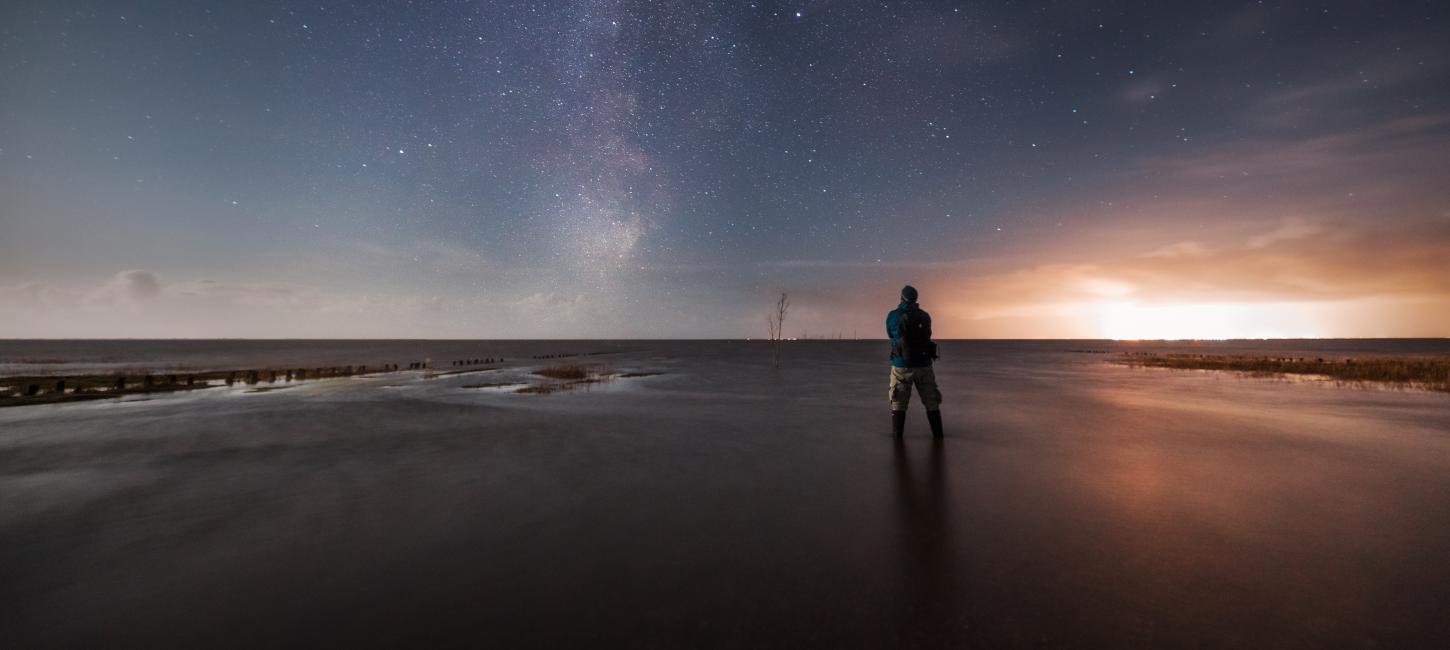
[{"x": 892, "y": 332}]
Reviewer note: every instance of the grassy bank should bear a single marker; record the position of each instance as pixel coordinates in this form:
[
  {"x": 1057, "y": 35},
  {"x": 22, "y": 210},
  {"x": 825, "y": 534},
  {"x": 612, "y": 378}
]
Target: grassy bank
[
  {"x": 1429, "y": 373},
  {"x": 568, "y": 377}
]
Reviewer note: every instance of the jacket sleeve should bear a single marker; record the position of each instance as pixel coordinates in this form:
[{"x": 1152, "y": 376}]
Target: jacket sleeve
[{"x": 891, "y": 325}]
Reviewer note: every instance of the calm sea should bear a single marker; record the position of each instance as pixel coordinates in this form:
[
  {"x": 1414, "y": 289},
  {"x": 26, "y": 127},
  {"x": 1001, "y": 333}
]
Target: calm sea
[{"x": 99, "y": 356}]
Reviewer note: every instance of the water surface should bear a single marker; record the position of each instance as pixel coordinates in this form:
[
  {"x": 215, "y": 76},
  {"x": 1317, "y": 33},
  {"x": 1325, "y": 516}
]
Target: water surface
[{"x": 725, "y": 503}]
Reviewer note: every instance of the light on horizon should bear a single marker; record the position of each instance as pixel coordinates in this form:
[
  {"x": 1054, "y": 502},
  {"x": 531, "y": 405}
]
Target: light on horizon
[{"x": 1124, "y": 320}]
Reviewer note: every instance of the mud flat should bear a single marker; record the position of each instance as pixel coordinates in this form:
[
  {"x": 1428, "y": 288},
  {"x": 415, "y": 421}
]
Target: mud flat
[
  {"x": 51, "y": 389},
  {"x": 59, "y": 386}
]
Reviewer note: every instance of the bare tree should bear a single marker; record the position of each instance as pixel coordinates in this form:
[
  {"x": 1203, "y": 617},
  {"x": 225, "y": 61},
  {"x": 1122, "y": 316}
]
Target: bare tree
[{"x": 776, "y": 322}]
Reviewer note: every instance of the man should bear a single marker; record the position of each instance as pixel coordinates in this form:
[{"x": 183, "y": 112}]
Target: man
[{"x": 912, "y": 352}]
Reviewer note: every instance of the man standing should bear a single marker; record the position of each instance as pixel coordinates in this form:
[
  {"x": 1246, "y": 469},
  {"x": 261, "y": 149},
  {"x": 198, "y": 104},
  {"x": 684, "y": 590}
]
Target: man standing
[{"x": 912, "y": 352}]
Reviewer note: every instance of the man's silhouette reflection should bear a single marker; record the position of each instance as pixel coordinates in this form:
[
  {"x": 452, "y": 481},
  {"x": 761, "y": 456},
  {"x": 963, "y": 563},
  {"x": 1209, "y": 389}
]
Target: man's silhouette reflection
[{"x": 929, "y": 612}]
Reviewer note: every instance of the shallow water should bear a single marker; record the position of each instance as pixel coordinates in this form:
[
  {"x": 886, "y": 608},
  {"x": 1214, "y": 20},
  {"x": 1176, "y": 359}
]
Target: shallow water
[{"x": 725, "y": 503}]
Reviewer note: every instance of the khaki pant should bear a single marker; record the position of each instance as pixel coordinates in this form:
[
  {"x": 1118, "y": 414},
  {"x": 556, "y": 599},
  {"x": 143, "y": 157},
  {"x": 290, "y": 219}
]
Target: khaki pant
[{"x": 902, "y": 379}]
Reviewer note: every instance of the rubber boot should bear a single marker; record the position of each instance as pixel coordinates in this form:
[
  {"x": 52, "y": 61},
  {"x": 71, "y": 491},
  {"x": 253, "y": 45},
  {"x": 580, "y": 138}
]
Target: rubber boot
[
  {"x": 898, "y": 424},
  {"x": 934, "y": 418}
]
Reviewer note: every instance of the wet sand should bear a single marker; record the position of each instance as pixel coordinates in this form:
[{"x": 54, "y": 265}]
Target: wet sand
[{"x": 1074, "y": 503}]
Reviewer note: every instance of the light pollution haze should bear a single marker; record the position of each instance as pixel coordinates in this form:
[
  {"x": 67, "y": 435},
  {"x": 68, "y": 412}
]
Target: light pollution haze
[{"x": 603, "y": 169}]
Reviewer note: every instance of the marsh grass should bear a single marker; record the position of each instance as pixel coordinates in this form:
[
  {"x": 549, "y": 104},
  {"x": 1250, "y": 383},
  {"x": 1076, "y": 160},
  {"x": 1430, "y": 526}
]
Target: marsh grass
[
  {"x": 567, "y": 377},
  {"x": 569, "y": 371},
  {"x": 1427, "y": 373},
  {"x": 551, "y": 387}
]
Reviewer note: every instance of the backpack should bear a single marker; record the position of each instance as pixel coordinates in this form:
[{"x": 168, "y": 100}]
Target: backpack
[{"x": 913, "y": 327}]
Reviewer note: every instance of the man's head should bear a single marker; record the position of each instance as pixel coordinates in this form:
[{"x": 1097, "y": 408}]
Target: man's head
[{"x": 908, "y": 293}]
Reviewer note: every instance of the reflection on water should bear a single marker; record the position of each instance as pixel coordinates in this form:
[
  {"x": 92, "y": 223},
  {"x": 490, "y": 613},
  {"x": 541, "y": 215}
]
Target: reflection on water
[
  {"x": 727, "y": 503},
  {"x": 928, "y": 568}
]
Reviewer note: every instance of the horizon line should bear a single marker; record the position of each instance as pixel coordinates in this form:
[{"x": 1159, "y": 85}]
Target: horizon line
[{"x": 742, "y": 339}]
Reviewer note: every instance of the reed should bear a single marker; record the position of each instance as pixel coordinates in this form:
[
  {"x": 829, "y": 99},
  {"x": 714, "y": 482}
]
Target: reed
[
  {"x": 1426, "y": 373},
  {"x": 565, "y": 371}
]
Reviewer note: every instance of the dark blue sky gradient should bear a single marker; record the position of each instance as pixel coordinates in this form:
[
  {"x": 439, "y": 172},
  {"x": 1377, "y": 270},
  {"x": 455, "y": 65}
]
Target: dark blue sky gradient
[{"x": 661, "y": 168}]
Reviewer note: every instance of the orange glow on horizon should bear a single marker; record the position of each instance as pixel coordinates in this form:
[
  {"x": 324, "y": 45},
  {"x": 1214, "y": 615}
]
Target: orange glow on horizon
[{"x": 1130, "y": 321}]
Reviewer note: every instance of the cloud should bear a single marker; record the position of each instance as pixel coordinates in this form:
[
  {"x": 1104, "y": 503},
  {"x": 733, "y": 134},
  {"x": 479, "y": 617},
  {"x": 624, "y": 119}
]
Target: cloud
[
  {"x": 25, "y": 297},
  {"x": 137, "y": 303},
  {"x": 431, "y": 256},
  {"x": 1189, "y": 248},
  {"x": 133, "y": 287},
  {"x": 552, "y": 307},
  {"x": 1351, "y": 94},
  {"x": 1406, "y": 143},
  {"x": 241, "y": 294},
  {"x": 1293, "y": 228}
]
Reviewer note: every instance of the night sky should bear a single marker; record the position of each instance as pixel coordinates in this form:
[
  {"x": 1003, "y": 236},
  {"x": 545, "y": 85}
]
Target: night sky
[{"x": 664, "y": 169}]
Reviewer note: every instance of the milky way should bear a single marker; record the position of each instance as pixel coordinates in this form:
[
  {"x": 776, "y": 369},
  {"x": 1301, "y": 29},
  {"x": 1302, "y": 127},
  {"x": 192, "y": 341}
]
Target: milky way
[{"x": 618, "y": 168}]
